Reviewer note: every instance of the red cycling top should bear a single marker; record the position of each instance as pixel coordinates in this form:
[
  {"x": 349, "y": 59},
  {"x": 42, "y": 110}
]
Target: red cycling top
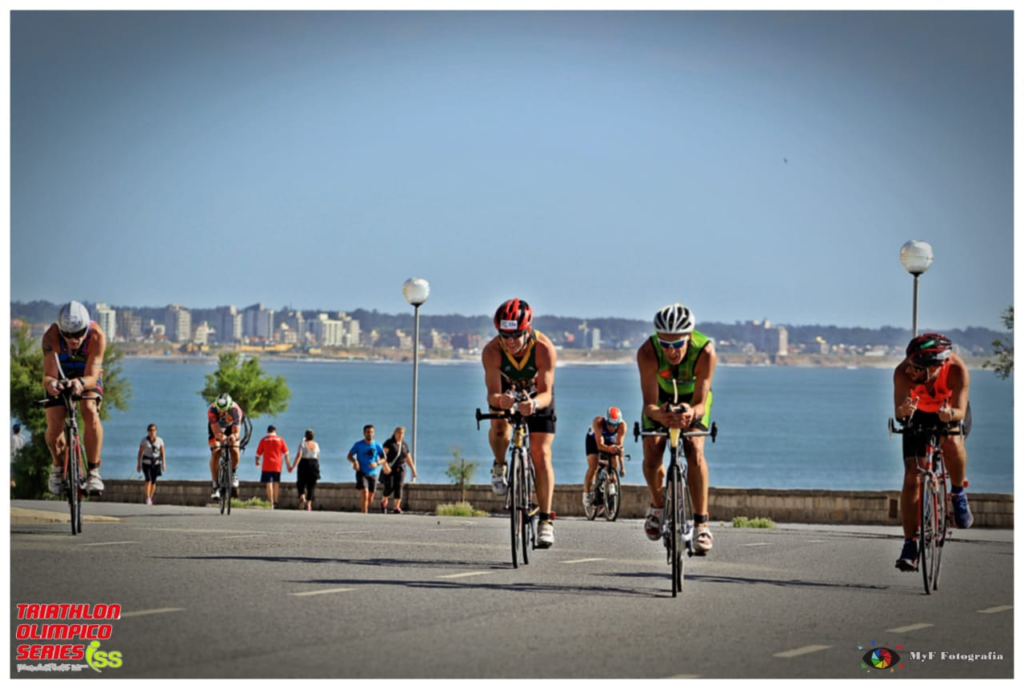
[{"x": 932, "y": 402}]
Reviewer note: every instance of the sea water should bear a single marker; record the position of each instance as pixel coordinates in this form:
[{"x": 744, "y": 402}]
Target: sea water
[{"x": 779, "y": 427}]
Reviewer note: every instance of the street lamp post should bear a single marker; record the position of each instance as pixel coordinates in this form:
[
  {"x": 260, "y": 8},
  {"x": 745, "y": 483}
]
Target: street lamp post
[
  {"x": 415, "y": 291},
  {"x": 916, "y": 257}
]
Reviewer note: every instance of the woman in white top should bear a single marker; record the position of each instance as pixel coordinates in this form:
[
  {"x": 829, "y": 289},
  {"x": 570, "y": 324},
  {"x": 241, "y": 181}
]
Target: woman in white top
[
  {"x": 152, "y": 460},
  {"x": 307, "y": 457}
]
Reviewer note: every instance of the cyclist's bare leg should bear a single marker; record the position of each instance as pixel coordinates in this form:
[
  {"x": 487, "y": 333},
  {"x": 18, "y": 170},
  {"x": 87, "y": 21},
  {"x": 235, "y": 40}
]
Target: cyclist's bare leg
[
  {"x": 499, "y": 437},
  {"x": 697, "y": 474},
  {"x": 910, "y": 498},
  {"x": 540, "y": 451},
  {"x": 955, "y": 456},
  {"x": 235, "y": 456},
  {"x": 55, "y": 434},
  {"x": 364, "y": 500},
  {"x": 214, "y": 461},
  {"x": 92, "y": 430},
  {"x": 591, "y": 471},
  {"x": 654, "y": 470}
]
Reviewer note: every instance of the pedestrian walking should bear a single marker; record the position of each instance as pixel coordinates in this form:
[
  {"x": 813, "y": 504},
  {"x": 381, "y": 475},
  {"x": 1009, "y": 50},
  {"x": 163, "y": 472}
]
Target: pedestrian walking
[
  {"x": 151, "y": 461},
  {"x": 397, "y": 456},
  {"x": 271, "y": 450},
  {"x": 307, "y": 458},
  {"x": 367, "y": 457}
]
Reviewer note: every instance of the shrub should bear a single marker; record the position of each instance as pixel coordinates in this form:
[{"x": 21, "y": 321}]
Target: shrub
[{"x": 755, "y": 523}]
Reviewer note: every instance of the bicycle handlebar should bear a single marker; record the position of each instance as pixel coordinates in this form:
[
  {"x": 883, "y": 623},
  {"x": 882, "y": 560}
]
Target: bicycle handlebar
[
  {"x": 506, "y": 414},
  {"x": 637, "y": 433},
  {"x": 954, "y": 428}
]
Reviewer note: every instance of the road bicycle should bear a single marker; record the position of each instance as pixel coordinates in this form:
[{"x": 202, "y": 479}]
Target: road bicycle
[
  {"x": 677, "y": 528},
  {"x": 76, "y": 469},
  {"x": 521, "y": 481},
  {"x": 606, "y": 489},
  {"x": 225, "y": 473},
  {"x": 934, "y": 518}
]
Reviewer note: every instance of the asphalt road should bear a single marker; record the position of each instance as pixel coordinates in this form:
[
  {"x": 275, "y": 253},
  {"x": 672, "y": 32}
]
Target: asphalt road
[{"x": 290, "y": 594}]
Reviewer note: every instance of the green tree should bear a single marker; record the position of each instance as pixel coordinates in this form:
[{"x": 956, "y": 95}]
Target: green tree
[
  {"x": 1003, "y": 364},
  {"x": 255, "y": 391},
  {"x": 32, "y": 465},
  {"x": 460, "y": 471}
]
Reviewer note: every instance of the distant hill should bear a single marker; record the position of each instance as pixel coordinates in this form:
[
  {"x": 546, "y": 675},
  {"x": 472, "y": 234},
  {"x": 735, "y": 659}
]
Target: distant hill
[{"x": 614, "y": 331}]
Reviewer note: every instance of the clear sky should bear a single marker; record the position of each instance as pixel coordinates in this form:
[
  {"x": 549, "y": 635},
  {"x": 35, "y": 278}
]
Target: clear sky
[{"x": 749, "y": 164}]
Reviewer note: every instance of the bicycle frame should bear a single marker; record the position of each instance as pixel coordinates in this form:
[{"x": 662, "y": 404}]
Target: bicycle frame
[{"x": 75, "y": 464}]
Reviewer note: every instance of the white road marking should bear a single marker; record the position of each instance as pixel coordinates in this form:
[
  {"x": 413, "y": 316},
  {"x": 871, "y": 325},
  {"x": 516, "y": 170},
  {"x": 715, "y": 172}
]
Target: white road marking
[
  {"x": 801, "y": 651},
  {"x": 156, "y": 611},
  {"x": 586, "y": 559},
  {"x": 90, "y": 545},
  {"x": 998, "y": 608},
  {"x": 462, "y": 574},
  {"x": 321, "y": 592},
  {"x": 910, "y": 628}
]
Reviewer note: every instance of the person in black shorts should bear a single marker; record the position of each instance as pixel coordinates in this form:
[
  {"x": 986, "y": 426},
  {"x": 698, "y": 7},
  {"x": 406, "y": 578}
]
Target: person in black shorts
[
  {"x": 398, "y": 456},
  {"x": 152, "y": 460},
  {"x": 521, "y": 359}
]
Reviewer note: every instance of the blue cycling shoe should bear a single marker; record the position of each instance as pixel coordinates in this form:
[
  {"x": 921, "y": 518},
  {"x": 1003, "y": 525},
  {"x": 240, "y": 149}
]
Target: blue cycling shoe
[
  {"x": 961, "y": 511},
  {"x": 908, "y": 558}
]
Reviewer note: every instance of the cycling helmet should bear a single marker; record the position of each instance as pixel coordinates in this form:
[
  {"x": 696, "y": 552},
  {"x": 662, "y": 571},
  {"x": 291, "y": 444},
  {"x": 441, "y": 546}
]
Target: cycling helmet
[
  {"x": 514, "y": 317},
  {"x": 73, "y": 320},
  {"x": 929, "y": 349},
  {"x": 674, "y": 319},
  {"x": 613, "y": 417},
  {"x": 223, "y": 402}
]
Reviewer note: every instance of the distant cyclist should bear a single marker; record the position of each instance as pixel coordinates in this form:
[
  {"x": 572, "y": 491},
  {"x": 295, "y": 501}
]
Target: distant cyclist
[
  {"x": 606, "y": 434},
  {"x": 79, "y": 344},
  {"x": 930, "y": 388},
  {"x": 521, "y": 359},
  {"x": 677, "y": 358},
  {"x": 224, "y": 423}
]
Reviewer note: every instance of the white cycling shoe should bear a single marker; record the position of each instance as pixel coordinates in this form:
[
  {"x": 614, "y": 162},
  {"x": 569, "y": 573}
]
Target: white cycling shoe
[
  {"x": 499, "y": 484},
  {"x": 56, "y": 484}
]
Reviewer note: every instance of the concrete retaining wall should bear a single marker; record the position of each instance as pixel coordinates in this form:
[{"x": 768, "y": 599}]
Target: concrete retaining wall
[{"x": 794, "y": 506}]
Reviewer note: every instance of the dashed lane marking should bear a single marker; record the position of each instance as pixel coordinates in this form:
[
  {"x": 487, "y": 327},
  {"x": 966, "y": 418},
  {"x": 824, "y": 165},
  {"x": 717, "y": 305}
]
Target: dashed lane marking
[
  {"x": 586, "y": 559},
  {"x": 90, "y": 545},
  {"x": 910, "y": 628},
  {"x": 321, "y": 592},
  {"x": 155, "y": 611},
  {"x": 998, "y": 608},
  {"x": 804, "y": 650},
  {"x": 462, "y": 574}
]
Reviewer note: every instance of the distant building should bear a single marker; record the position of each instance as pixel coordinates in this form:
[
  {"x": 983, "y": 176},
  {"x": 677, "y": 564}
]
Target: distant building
[
  {"x": 258, "y": 323},
  {"x": 227, "y": 323},
  {"x": 178, "y": 323},
  {"x": 129, "y": 326},
  {"x": 595, "y": 338},
  {"x": 202, "y": 334},
  {"x": 328, "y": 332},
  {"x": 106, "y": 317}
]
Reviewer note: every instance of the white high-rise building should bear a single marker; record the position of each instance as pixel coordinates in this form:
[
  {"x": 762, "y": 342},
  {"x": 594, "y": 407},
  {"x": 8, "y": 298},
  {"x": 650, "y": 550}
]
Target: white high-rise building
[
  {"x": 107, "y": 319},
  {"x": 178, "y": 320}
]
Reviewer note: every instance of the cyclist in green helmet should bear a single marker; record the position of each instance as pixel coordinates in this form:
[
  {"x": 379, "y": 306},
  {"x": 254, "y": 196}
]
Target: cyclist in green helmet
[{"x": 224, "y": 423}]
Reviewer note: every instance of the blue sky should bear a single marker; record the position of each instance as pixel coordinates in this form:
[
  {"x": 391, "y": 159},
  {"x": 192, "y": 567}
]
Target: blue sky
[{"x": 749, "y": 164}]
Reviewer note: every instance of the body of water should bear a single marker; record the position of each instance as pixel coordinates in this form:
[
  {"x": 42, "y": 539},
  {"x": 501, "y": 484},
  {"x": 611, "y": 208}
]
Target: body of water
[{"x": 779, "y": 427}]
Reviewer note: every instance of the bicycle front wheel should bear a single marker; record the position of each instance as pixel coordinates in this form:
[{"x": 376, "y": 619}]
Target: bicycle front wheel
[
  {"x": 945, "y": 529},
  {"x": 612, "y": 495},
  {"x": 515, "y": 487},
  {"x": 526, "y": 528},
  {"x": 224, "y": 481},
  {"x": 928, "y": 535},
  {"x": 73, "y": 481},
  {"x": 672, "y": 514}
]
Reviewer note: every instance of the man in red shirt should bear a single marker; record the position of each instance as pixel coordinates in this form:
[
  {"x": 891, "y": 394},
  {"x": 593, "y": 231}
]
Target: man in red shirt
[{"x": 271, "y": 449}]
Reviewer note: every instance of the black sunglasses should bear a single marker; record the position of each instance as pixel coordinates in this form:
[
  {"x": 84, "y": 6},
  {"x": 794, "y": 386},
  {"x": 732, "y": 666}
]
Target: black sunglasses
[
  {"x": 75, "y": 335},
  {"x": 512, "y": 336}
]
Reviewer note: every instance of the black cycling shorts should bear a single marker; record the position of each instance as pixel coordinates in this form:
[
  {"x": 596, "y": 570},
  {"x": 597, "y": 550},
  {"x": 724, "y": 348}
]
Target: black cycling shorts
[
  {"x": 916, "y": 444},
  {"x": 541, "y": 421}
]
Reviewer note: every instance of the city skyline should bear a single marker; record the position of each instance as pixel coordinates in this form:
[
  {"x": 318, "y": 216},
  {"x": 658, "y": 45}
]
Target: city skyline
[{"x": 601, "y": 164}]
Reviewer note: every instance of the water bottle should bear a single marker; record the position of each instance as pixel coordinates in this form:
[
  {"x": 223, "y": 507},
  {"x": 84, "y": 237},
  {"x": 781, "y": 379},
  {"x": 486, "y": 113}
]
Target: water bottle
[{"x": 610, "y": 488}]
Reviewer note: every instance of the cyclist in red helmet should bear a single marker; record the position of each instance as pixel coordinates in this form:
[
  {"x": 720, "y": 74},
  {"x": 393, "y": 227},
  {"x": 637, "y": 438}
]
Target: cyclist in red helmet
[
  {"x": 931, "y": 387},
  {"x": 606, "y": 434},
  {"x": 521, "y": 359}
]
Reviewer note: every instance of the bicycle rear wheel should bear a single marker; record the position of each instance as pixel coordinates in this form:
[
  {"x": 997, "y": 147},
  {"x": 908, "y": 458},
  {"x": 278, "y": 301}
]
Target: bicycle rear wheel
[
  {"x": 612, "y": 495},
  {"x": 515, "y": 487},
  {"x": 224, "y": 482},
  {"x": 672, "y": 512},
  {"x": 945, "y": 529},
  {"x": 527, "y": 535},
  {"x": 928, "y": 534}
]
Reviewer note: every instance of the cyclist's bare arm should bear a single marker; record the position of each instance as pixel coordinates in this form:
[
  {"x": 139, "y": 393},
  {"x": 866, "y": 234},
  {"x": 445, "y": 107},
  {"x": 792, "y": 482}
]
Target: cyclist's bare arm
[
  {"x": 704, "y": 371},
  {"x": 491, "y": 359},
  {"x": 647, "y": 362},
  {"x": 94, "y": 364},
  {"x": 545, "y": 358},
  {"x": 959, "y": 382},
  {"x": 51, "y": 374},
  {"x": 903, "y": 404}
]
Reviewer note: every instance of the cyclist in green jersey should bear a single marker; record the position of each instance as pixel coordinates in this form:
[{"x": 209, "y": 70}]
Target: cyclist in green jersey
[
  {"x": 521, "y": 359},
  {"x": 677, "y": 363}
]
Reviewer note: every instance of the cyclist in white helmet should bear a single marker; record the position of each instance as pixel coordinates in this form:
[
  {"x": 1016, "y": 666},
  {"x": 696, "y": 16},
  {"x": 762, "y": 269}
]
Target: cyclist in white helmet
[
  {"x": 677, "y": 362},
  {"x": 79, "y": 344},
  {"x": 224, "y": 426}
]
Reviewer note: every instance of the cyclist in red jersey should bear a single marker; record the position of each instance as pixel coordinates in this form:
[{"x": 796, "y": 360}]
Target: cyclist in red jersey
[{"x": 931, "y": 387}]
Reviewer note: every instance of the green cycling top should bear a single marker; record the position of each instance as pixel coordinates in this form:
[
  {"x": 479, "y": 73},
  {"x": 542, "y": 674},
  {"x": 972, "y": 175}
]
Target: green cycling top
[{"x": 683, "y": 373}]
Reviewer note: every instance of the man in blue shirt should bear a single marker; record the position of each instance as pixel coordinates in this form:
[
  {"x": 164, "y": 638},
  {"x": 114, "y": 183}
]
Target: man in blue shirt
[{"x": 367, "y": 457}]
